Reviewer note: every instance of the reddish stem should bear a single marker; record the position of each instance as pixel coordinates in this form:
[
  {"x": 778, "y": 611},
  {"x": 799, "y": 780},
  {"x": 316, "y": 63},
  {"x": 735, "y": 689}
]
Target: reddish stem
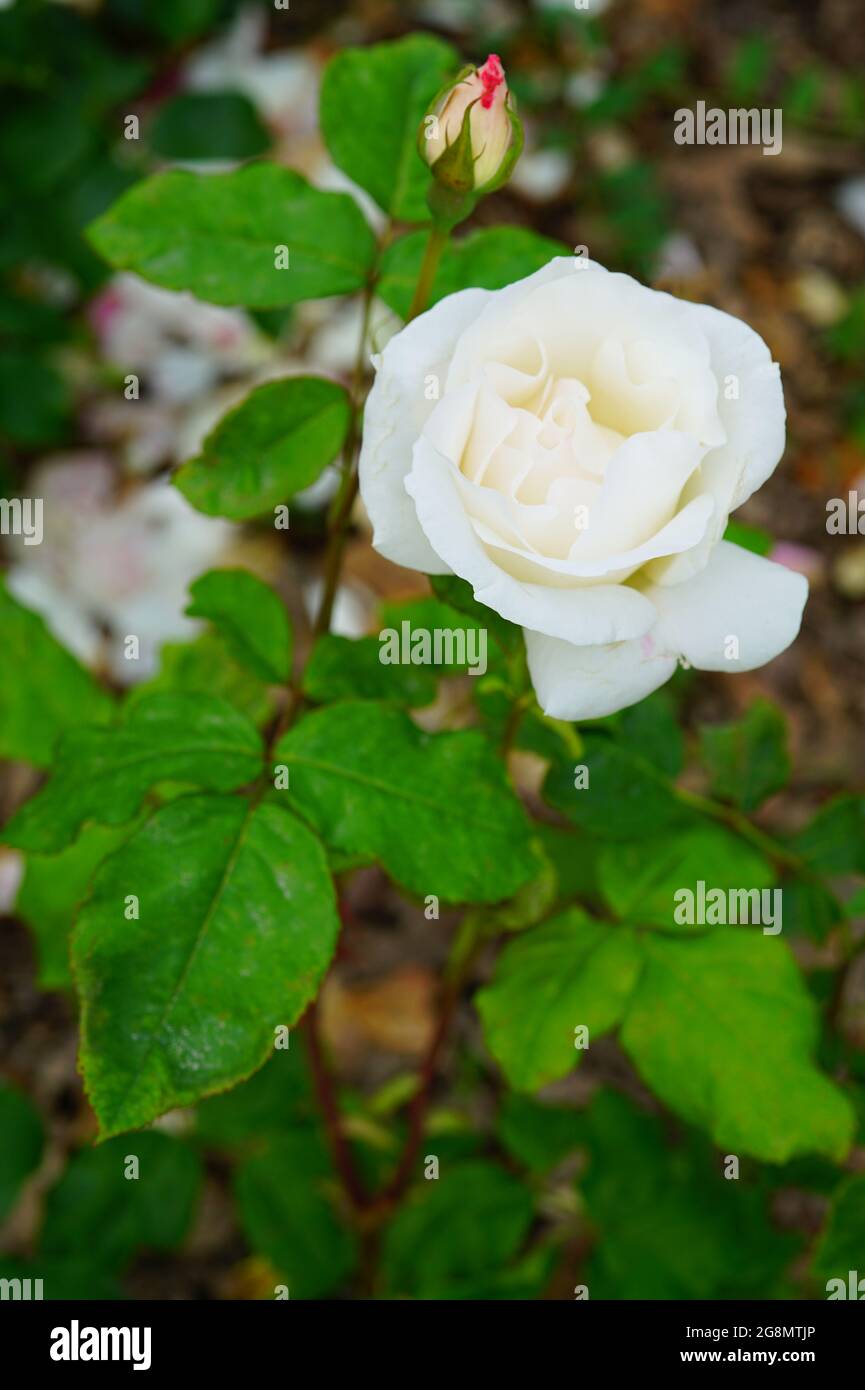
[
  {"x": 340, "y": 1147},
  {"x": 420, "y": 1100}
]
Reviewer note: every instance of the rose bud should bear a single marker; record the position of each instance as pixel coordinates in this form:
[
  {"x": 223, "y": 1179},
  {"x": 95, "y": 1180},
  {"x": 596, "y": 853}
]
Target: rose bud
[{"x": 471, "y": 136}]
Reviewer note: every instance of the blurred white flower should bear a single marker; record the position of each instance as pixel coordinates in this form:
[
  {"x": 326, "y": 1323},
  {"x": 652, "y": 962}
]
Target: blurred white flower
[
  {"x": 850, "y": 200},
  {"x": 819, "y": 297},
  {"x": 588, "y": 8},
  {"x": 332, "y": 346},
  {"x": 542, "y": 175},
  {"x": 11, "y": 863},
  {"x": 179, "y": 345},
  {"x": 678, "y": 256},
  {"x": 110, "y": 566},
  {"x": 283, "y": 86},
  {"x": 182, "y": 352},
  {"x": 458, "y": 15},
  {"x": 353, "y": 607},
  {"x": 584, "y": 87}
]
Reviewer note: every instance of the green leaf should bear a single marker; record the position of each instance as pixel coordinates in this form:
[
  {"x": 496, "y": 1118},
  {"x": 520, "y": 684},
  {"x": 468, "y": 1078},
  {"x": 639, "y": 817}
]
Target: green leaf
[
  {"x": 286, "y": 1213},
  {"x": 435, "y": 809},
  {"x": 846, "y": 338},
  {"x": 636, "y": 211},
  {"x": 747, "y": 760},
  {"x": 855, "y": 906},
  {"x": 182, "y": 19},
  {"x": 843, "y": 1239},
  {"x": 458, "y": 594},
  {"x": 183, "y": 1001},
  {"x": 272, "y": 445},
  {"x": 209, "y": 125},
  {"x": 524, "y": 1280},
  {"x": 43, "y": 690},
  {"x": 834, "y": 842},
  {"x": 651, "y": 730},
  {"x": 24, "y": 318},
  {"x": 668, "y": 1224},
  {"x": 431, "y": 614},
  {"x": 547, "y": 738},
  {"x": 639, "y": 881},
  {"x": 25, "y": 141},
  {"x": 574, "y": 856},
  {"x": 531, "y": 902},
  {"x": 748, "y": 67},
  {"x": 103, "y": 775},
  {"x": 217, "y": 235},
  {"x": 373, "y": 100},
  {"x": 272, "y": 1102},
  {"x": 206, "y": 667},
  {"x": 35, "y": 401},
  {"x": 723, "y": 1030},
  {"x": 340, "y": 668},
  {"x": 539, "y": 1136},
  {"x": 96, "y": 1208},
  {"x": 53, "y": 887},
  {"x": 570, "y": 972},
  {"x": 487, "y": 260},
  {"x": 749, "y": 537},
  {"x": 810, "y": 909},
  {"x": 626, "y": 797},
  {"x": 463, "y": 1227},
  {"x": 21, "y": 1147},
  {"x": 251, "y": 618}
]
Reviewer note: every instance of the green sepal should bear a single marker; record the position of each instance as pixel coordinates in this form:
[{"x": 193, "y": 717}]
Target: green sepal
[{"x": 455, "y": 167}]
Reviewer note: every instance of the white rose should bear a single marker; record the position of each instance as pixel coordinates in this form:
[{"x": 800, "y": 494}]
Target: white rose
[{"x": 573, "y": 446}]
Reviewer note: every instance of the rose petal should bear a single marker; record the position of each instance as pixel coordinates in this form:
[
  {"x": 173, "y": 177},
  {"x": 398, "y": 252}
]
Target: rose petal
[
  {"x": 603, "y": 613},
  {"x": 396, "y": 411},
  {"x": 590, "y": 682},
  {"x": 755, "y": 422},
  {"x": 643, "y": 355},
  {"x": 738, "y": 595},
  {"x": 639, "y": 493},
  {"x": 681, "y": 534}
]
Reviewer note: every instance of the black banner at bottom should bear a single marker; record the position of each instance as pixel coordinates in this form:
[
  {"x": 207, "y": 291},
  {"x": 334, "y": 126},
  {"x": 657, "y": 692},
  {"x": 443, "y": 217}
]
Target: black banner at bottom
[{"x": 67, "y": 1338}]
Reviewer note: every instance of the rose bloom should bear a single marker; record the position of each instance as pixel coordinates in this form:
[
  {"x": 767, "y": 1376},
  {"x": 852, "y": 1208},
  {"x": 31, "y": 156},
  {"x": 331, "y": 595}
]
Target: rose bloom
[{"x": 572, "y": 446}]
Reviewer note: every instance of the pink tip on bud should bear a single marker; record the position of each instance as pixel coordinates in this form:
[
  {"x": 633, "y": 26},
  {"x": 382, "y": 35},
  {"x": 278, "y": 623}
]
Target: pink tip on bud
[{"x": 492, "y": 75}]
